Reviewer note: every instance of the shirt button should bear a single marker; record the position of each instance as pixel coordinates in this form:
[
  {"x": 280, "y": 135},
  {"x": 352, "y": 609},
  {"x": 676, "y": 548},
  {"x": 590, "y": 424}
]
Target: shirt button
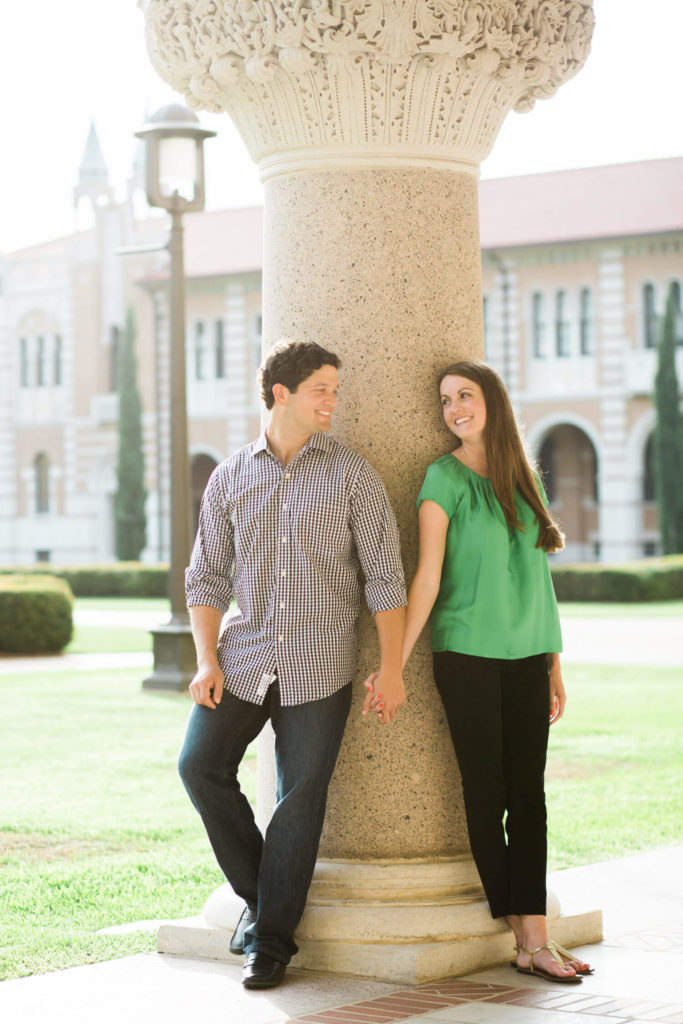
[
  {"x": 282, "y": 604},
  {"x": 284, "y": 508},
  {"x": 284, "y": 572},
  {"x": 287, "y": 476},
  {"x": 284, "y": 540},
  {"x": 280, "y": 638}
]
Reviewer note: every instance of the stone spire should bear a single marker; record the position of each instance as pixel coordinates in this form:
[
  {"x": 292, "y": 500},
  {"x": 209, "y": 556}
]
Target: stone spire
[{"x": 93, "y": 174}]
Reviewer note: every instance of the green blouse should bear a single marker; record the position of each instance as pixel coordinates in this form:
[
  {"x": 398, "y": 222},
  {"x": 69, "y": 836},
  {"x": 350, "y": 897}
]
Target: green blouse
[{"x": 496, "y": 598}]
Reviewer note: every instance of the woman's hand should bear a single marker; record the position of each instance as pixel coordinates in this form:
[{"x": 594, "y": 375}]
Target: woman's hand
[{"x": 558, "y": 696}]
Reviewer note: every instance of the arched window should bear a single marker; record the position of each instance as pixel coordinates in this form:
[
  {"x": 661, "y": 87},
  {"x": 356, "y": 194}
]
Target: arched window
[
  {"x": 199, "y": 351},
  {"x": 24, "y": 365},
  {"x": 546, "y": 465},
  {"x": 538, "y": 325},
  {"x": 649, "y": 493},
  {"x": 650, "y": 319},
  {"x": 41, "y": 468},
  {"x": 58, "y": 360},
  {"x": 586, "y": 325},
  {"x": 219, "y": 350},
  {"x": 561, "y": 324},
  {"x": 40, "y": 362}
]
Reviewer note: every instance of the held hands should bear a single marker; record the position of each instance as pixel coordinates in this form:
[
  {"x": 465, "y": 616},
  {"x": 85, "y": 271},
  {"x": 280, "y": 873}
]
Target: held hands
[
  {"x": 386, "y": 696},
  {"x": 207, "y": 686}
]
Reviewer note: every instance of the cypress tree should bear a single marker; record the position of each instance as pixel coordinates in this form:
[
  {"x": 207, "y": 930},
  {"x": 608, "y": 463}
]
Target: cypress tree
[
  {"x": 130, "y": 468},
  {"x": 668, "y": 442}
]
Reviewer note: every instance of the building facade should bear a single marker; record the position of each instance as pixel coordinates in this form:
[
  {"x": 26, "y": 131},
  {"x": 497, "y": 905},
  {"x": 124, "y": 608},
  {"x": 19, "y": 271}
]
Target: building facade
[{"x": 576, "y": 267}]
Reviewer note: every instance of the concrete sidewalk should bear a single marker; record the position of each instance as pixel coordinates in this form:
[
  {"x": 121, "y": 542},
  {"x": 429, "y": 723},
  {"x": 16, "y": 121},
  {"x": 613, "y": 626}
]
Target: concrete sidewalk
[{"x": 638, "y": 977}]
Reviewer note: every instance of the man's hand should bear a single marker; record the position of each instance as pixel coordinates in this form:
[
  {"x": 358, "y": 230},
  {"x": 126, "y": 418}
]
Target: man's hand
[
  {"x": 207, "y": 686},
  {"x": 386, "y": 695}
]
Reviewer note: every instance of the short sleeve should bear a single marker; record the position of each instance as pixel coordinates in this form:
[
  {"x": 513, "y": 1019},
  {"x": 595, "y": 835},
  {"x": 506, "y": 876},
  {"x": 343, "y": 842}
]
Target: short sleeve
[
  {"x": 541, "y": 489},
  {"x": 439, "y": 486}
]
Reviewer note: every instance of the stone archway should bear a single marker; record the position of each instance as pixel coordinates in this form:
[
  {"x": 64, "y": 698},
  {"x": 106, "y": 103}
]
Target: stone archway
[{"x": 569, "y": 467}]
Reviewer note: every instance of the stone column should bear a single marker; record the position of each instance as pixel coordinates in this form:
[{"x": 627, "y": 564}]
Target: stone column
[{"x": 369, "y": 120}]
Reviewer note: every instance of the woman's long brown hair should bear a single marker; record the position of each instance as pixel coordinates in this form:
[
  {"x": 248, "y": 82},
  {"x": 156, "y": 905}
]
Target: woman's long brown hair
[{"x": 508, "y": 466}]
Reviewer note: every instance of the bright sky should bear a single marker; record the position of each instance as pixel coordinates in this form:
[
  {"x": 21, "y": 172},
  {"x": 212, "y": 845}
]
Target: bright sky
[{"x": 64, "y": 64}]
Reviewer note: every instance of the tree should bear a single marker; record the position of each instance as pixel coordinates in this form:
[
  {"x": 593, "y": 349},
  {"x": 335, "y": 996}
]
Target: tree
[
  {"x": 669, "y": 434},
  {"x": 131, "y": 524}
]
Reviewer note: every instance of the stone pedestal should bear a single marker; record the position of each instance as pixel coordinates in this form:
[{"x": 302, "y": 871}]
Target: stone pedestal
[{"x": 369, "y": 121}]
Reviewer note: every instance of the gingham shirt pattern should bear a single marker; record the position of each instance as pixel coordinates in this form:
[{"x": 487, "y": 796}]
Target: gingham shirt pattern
[{"x": 288, "y": 543}]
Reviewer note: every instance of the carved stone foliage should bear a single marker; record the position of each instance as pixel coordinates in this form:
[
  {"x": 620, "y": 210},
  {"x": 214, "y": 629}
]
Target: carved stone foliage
[{"x": 431, "y": 75}]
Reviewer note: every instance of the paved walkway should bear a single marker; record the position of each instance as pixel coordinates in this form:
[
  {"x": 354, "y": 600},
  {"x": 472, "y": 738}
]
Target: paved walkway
[
  {"x": 638, "y": 978},
  {"x": 647, "y": 641}
]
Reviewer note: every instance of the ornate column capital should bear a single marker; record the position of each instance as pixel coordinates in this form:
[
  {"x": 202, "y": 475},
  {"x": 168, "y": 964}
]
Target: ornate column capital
[{"x": 355, "y": 81}]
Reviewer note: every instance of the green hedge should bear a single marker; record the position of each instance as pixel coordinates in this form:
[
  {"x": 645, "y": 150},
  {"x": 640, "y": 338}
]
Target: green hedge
[
  {"x": 115, "y": 579},
  {"x": 35, "y": 613},
  {"x": 652, "y": 579}
]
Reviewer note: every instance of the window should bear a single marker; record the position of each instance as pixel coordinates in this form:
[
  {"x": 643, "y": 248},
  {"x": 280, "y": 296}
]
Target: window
[
  {"x": 538, "y": 325},
  {"x": 561, "y": 324},
  {"x": 487, "y": 327},
  {"x": 649, "y": 316},
  {"x": 650, "y": 548},
  {"x": 114, "y": 345},
  {"x": 258, "y": 356},
  {"x": 42, "y": 555},
  {"x": 586, "y": 329},
  {"x": 58, "y": 359},
  {"x": 219, "y": 351},
  {"x": 40, "y": 362},
  {"x": 199, "y": 351},
  {"x": 678, "y": 311},
  {"x": 24, "y": 368},
  {"x": 41, "y": 480},
  {"x": 649, "y": 470}
]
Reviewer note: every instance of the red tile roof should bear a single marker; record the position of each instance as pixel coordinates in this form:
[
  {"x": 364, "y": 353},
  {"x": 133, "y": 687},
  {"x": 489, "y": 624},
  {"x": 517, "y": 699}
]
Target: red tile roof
[{"x": 619, "y": 200}]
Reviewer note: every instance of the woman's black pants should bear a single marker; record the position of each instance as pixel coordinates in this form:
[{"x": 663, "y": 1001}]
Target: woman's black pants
[{"x": 498, "y": 714}]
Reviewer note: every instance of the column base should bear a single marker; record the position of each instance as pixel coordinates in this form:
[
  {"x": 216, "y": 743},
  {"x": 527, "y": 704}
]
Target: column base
[
  {"x": 175, "y": 658},
  {"x": 403, "y": 921}
]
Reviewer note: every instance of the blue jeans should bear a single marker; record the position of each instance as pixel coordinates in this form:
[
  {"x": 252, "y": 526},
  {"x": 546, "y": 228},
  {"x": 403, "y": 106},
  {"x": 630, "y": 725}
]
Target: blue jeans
[{"x": 271, "y": 873}]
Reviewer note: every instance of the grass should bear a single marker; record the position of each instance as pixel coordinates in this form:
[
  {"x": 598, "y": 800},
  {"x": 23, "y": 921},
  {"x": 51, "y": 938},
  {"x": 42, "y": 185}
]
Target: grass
[
  {"x": 96, "y": 639},
  {"x": 615, "y": 763},
  {"x": 96, "y": 829}
]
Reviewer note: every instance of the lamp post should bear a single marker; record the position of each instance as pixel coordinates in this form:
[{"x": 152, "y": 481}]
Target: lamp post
[{"x": 174, "y": 163}]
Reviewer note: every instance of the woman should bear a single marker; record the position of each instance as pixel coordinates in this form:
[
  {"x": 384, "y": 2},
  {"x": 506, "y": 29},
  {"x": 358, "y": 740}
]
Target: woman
[{"x": 483, "y": 575}]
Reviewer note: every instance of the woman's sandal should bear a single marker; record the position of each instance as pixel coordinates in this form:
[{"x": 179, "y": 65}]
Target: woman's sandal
[
  {"x": 565, "y": 955},
  {"x": 540, "y": 972}
]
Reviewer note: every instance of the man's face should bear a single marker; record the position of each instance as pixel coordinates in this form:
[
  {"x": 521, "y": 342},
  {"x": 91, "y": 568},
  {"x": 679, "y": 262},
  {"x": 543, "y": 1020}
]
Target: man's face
[{"x": 310, "y": 407}]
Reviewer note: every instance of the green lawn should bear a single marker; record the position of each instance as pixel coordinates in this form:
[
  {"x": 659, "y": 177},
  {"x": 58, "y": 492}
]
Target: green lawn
[
  {"x": 105, "y": 639},
  {"x": 96, "y": 829}
]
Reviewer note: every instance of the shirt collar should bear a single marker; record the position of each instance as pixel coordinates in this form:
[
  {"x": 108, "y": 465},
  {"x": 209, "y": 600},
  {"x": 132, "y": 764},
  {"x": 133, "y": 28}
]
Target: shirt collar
[{"x": 322, "y": 442}]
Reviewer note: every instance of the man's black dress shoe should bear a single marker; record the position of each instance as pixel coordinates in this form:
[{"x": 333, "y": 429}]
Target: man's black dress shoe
[
  {"x": 237, "y": 941},
  {"x": 262, "y": 971}
]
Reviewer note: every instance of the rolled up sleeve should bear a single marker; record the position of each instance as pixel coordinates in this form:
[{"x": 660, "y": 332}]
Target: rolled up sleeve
[
  {"x": 377, "y": 541},
  {"x": 208, "y": 578}
]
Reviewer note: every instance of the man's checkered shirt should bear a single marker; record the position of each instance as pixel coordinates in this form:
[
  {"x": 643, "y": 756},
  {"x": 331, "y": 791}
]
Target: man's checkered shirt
[{"x": 288, "y": 544}]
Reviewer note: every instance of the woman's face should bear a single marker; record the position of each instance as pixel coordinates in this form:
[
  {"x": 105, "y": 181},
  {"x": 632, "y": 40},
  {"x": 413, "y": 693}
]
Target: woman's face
[{"x": 464, "y": 408}]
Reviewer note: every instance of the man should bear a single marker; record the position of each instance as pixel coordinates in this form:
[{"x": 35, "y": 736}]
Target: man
[{"x": 285, "y": 527}]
